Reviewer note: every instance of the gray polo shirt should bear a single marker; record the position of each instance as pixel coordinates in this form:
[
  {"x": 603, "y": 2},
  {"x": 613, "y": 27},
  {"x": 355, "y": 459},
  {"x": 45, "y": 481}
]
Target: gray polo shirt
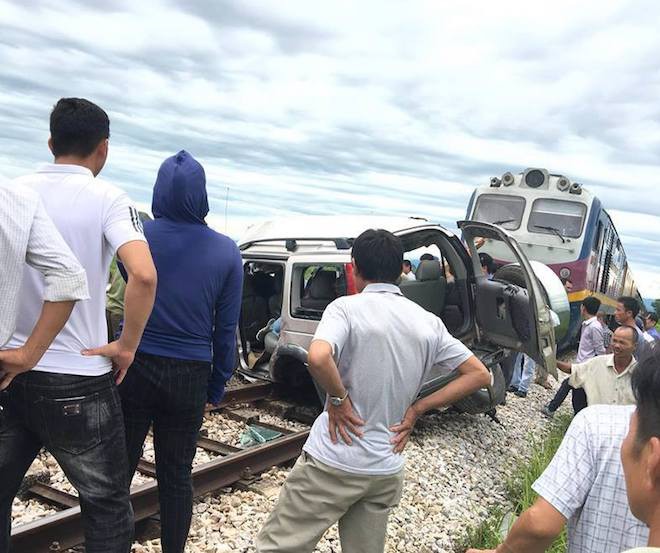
[{"x": 384, "y": 345}]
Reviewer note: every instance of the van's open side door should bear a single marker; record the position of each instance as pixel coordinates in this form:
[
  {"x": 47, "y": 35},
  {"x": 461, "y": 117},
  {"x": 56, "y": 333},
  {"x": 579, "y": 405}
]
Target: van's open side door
[{"x": 509, "y": 315}]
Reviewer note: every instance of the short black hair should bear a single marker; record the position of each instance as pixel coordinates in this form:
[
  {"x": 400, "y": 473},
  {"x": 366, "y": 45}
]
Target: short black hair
[
  {"x": 487, "y": 261},
  {"x": 653, "y": 316},
  {"x": 77, "y": 126},
  {"x": 629, "y": 304},
  {"x": 635, "y": 336},
  {"x": 407, "y": 263},
  {"x": 428, "y": 257},
  {"x": 646, "y": 387},
  {"x": 591, "y": 304},
  {"x": 378, "y": 256}
]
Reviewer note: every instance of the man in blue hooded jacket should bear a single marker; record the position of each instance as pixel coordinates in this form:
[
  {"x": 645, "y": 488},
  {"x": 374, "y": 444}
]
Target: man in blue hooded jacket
[{"x": 187, "y": 351}]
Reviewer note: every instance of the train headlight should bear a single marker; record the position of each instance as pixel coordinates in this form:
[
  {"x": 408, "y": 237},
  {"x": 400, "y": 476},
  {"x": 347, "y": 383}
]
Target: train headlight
[
  {"x": 507, "y": 179},
  {"x": 565, "y": 272},
  {"x": 534, "y": 178}
]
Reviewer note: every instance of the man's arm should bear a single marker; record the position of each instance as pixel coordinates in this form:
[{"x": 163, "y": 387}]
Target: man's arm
[
  {"x": 564, "y": 366},
  {"x": 138, "y": 302},
  {"x": 54, "y": 316},
  {"x": 227, "y": 312},
  {"x": 473, "y": 375},
  {"x": 322, "y": 366},
  {"x": 533, "y": 532}
]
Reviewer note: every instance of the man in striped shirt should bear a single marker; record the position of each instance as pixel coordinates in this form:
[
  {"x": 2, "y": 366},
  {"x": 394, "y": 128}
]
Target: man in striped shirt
[{"x": 27, "y": 235}]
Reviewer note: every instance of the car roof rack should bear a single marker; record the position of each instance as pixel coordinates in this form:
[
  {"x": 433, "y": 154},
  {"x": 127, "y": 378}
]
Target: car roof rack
[{"x": 291, "y": 244}]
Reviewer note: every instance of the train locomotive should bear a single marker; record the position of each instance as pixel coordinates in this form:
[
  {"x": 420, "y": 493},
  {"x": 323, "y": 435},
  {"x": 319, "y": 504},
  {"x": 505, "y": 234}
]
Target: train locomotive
[{"x": 561, "y": 224}]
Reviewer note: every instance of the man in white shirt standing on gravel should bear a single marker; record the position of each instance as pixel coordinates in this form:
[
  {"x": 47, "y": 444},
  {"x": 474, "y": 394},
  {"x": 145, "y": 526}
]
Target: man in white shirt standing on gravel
[
  {"x": 606, "y": 378},
  {"x": 27, "y": 235},
  {"x": 592, "y": 344},
  {"x": 69, "y": 403},
  {"x": 370, "y": 354}
]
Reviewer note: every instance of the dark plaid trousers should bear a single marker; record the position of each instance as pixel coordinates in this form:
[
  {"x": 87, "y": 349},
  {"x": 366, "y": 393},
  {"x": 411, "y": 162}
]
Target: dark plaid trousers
[{"x": 169, "y": 394}]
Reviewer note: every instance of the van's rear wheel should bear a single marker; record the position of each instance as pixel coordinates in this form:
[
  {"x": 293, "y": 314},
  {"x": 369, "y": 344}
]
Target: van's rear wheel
[{"x": 296, "y": 381}]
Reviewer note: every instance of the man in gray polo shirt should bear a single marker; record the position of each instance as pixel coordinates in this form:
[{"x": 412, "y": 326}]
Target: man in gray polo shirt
[{"x": 370, "y": 354}]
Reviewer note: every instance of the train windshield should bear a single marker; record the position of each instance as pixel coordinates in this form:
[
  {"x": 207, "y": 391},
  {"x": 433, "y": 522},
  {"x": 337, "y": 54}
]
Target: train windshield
[
  {"x": 559, "y": 217},
  {"x": 506, "y": 211}
]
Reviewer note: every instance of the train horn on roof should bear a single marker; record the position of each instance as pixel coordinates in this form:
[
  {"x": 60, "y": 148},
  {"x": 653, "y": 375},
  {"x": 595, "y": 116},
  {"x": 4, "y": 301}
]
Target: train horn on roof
[
  {"x": 494, "y": 181},
  {"x": 576, "y": 188},
  {"x": 507, "y": 179}
]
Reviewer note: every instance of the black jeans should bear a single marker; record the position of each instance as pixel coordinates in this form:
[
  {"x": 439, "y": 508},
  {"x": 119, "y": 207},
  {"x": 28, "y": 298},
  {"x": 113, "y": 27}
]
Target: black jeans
[
  {"x": 78, "y": 419},
  {"x": 171, "y": 395},
  {"x": 579, "y": 398}
]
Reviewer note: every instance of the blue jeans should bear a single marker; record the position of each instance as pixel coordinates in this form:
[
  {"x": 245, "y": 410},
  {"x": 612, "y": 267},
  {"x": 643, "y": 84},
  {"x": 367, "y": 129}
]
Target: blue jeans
[
  {"x": 79, "y": 421},
  {"x": 523, "y": 371},
  {"x": 169, "y": 394}
]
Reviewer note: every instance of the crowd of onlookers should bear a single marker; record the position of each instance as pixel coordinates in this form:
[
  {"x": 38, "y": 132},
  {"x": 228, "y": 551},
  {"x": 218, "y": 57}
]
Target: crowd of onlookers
[{"x": 87, "y": 378}]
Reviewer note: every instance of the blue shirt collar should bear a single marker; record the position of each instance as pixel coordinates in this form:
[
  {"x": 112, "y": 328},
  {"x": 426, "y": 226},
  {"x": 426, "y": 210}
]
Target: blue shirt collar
[{"x": 382, "y": 287}]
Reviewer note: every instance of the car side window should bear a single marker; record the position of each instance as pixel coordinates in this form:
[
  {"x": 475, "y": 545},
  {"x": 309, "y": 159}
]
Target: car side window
[{"x": 318, "y": 286}]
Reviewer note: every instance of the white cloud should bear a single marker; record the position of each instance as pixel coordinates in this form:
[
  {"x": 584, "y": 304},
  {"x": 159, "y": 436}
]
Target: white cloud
[{"x": 351, "y": 107}]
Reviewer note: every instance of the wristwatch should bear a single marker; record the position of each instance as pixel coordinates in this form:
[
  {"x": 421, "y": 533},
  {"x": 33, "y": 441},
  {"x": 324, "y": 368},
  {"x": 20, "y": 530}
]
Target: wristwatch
[{"x": 337, "y": 401}]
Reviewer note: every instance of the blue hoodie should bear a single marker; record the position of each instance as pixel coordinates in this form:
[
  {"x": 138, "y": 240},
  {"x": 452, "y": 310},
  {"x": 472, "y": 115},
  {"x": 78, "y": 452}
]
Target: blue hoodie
[{"x": 200, "y": 275}]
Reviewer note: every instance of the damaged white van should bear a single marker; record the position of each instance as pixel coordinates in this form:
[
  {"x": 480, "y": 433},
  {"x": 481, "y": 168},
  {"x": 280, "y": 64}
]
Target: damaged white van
[{"x": 295, "y": 267}]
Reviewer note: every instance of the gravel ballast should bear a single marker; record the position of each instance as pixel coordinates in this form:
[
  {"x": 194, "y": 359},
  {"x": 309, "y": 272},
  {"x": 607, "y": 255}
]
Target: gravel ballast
[{"x": 456, "y": 470}]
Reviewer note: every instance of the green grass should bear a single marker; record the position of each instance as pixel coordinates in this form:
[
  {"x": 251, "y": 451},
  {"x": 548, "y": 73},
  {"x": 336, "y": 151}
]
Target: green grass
[{"x": 519, "y": 492}]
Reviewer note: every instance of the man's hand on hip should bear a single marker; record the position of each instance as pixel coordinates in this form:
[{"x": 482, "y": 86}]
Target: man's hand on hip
[
  {"x": 343, "y": 420},
  {"x": 12, "y": 363},
  {"x": 404, "y": 429},
  {"x": 121, "y": 356}
]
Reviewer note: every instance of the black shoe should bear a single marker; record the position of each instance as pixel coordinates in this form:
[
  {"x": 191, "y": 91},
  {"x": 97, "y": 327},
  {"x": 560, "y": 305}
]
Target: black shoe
[
  {"x": 520, "y": 393},
  {"x": 547, "y": 413},
  {"x": 512, "y": 389}
]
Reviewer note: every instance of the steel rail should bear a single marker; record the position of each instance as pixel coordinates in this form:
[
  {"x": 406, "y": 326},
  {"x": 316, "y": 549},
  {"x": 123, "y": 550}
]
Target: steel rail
[
  {"x": 65, "y": 528},
  {"x": 246, "y": 394}
]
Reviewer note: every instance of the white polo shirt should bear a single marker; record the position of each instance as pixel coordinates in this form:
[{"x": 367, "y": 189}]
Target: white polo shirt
[
  {"x": 385, "y": 345},
  {"x": 585, "y": 483},
  {"x": 602, "y": 383},
  {"x": 95, "y": 219}
]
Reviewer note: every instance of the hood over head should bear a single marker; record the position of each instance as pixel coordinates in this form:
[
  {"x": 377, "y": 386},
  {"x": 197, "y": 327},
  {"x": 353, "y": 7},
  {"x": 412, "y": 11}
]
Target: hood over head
[{"x": 180, "y": 190}]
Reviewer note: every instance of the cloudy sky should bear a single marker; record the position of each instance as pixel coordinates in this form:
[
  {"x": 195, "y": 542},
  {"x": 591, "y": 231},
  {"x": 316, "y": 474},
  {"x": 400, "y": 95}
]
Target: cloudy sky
[{"x": 351, "y": 107}]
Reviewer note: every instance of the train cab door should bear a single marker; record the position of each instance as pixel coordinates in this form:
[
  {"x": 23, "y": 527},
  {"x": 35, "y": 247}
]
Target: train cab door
[{"x": 508, "y": 315}]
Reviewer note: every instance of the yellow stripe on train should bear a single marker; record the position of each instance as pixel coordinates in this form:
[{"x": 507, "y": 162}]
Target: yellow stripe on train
[{"x": 577, "y": 297}]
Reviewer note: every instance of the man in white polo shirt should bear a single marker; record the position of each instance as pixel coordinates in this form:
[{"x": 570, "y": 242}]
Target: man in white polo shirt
[
  {"x": 69, "y": 403},
  {"x": 370, "y": 354}
]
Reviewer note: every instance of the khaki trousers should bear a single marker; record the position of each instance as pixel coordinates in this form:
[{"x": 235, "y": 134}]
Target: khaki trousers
[{"x": 315, "y": 496}]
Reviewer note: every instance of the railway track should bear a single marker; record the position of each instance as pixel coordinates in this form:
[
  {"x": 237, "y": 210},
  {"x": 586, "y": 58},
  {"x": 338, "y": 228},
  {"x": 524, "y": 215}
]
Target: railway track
[{"x": 63, "y": 530}]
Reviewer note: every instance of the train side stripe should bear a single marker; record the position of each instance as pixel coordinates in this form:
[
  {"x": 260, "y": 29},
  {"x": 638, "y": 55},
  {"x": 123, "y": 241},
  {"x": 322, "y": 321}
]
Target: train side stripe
[{"x": 576, "y": 297}]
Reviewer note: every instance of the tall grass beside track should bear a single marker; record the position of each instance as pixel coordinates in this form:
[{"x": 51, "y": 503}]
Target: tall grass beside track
[{"x": 487, "y": 535}]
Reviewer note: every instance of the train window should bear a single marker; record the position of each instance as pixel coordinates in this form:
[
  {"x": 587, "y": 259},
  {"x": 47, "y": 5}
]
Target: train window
[
  {"x": 561, "y": 217},
  {"x": 506, "y": 211}
]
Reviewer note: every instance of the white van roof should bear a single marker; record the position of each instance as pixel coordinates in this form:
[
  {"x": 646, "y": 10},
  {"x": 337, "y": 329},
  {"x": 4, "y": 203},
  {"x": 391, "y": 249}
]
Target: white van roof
[{"x": 325, "y": 226}]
